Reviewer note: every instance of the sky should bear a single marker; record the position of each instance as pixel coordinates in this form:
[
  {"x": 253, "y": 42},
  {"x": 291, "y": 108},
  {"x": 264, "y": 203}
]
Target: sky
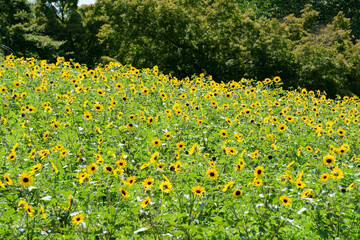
[{"x": 81, "y": 2}]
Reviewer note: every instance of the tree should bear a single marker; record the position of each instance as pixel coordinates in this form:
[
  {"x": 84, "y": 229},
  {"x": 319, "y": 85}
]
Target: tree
[
  {"x": 77, "y": 28},
  {"x": 19, "y": 33}
]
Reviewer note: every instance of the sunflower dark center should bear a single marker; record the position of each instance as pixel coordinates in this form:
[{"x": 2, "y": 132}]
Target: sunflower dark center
[
  {"x": 25, "y": 179},
  {"x": 328, "y": 160},
  {"x": 108, "y": 168},
  {"x": 285, "y": 200},
  {"x": 238, "y": 192},
  {"x": 198, "y": 191},
  {"x": 259, "y": 171},
  {"x": 212, "y": 174},
  {"x": 93, "y": 168},
  {"x": 78, "y": 219}
]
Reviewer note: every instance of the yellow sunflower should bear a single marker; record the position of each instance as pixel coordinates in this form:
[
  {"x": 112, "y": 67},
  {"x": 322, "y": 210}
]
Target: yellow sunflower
[
  {"x": 26, "y": 179},
  {"x": 145, "y": 202},
  {"x": 285, "y": 200},
  {"x": 198, "y": 190},
  {"x": 77, "y": 219}
]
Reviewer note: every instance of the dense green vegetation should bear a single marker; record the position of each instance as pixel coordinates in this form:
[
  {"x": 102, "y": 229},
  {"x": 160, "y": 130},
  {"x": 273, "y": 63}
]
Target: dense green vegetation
[
  {"x": 117, "y": 152},
  {"x": 314, "y": 46}
]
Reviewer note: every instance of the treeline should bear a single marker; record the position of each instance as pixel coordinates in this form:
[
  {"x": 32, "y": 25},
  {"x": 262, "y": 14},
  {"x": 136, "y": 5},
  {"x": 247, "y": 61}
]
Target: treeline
[{"x": 315, "y": 46}]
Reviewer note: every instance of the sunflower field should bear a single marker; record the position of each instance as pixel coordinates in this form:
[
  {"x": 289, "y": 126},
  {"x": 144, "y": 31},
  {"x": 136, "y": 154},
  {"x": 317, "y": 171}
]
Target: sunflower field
[{"x": 117, "y": 152}]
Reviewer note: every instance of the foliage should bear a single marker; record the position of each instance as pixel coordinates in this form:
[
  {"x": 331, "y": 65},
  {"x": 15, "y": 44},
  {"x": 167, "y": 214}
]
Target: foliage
[
  {"x": 19, "y": 33},
  {"x": 327, "y": 10},
  {"x": 117, "y": 152},
  {"x": 219, "y": 39}
]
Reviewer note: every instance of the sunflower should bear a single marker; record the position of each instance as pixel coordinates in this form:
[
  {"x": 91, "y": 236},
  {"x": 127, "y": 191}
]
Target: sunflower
[
  {"x": 180, "y": 145},
  {"x": 329, "y": 160},
  {"x": 240, "y": 165},
  {"x": 145, "y": 91},
  {"x": 307, "y": 194},
  {"x": 124, "y": 193},
  {"x": 342, "y": 150},
  {"x": 167, "y": 135},
  {"x": 29, "y": 210},
  {"x": 156, "y": 142},
  {"x": 150, "y": 120},
  {"x": 160, "y": 166},
  {"x": 98, "y": 107},
  {"x": 26, "y": 179},
  {"x": 64, "y": 152},
  {"x": 232, "y": 151},
  {"x": 212, "y": 173},
  {"x": 229, "y": 185},
  {"x": 324, "y": 177},
  {"x": 258, "y": 182},
  {"x": 154, "y": 157},
  {"x": 300, "y": 184},
  {"x": 285, "y": 200},
  {"x": 130, "y": 181},
  {"x": 108, "y": 169},
  {"x": 198, "y": 190},
  {"x": 309, "y": 149},
  {"x": 8, "y": 179},
  {"x": 100, "y": 92},
  {"x": 165, "y": 187},
  {"x": 341, "y": 132},
  {"x": 259, "y": 171},
  {"x": 82, "y": 176},
  {"x": 254, "y": 154},
  {"x": 121, "y": 163},
  {"x": 36, "y": 168},
  {"x": 172, "y": 167},
  {"x": 212, "y": 164},
  {"x": 59, "y": 147},
  {"x": 77, "y": 219},
  {"x": 223, "y": 133},
  {"x": 54, "y": 167},
  {"x": 87, "y": 115},
  {"x": 282, "y": 127},
  {"x": 148, "y": 182},
  {"x": 145, "y": 202},
  {"x": 337, "y": 173},
  {"x": 277, "y": 79},
  {"x": 46, "y": 135},
  {"x": 237, "y": 193},
  {"x": 12, "y": 156},
  {"x": 21, "y": 204},
  {"x": 145, "y": 165},
  {"x": 43, "y": 212},
  {"x": 92, "y": 168}
]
